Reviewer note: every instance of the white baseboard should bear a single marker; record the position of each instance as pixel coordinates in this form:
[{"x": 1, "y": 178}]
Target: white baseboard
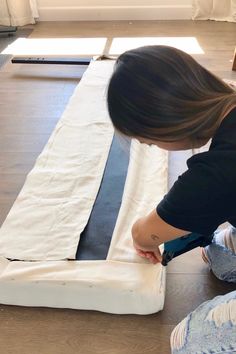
[{"x": 110, "y": 13}]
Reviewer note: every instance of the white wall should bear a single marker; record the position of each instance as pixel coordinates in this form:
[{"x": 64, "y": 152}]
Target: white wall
[{"x": 82, "y": 10}]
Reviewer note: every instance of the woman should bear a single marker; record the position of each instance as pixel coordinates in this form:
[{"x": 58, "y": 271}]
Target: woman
[{"x": 161, "y": 95}]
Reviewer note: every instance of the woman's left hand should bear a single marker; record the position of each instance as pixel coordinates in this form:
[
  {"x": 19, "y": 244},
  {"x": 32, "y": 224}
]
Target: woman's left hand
[
  {"x": 153, "y": 257},
  {"x": 146, "y": 244},
  {"x": 150, "y": 232}
]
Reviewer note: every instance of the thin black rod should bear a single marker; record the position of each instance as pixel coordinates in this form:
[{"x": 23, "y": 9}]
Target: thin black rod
[{"x": 60, "y": 61}]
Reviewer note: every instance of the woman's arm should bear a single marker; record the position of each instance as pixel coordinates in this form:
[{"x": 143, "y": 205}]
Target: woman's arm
[{"x": 150, "y": 232}]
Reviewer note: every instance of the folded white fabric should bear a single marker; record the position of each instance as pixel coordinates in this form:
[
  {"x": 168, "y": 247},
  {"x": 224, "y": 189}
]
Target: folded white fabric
[
  {"x": 43, "y": 228},
  {"x": 145, "y": 185}
]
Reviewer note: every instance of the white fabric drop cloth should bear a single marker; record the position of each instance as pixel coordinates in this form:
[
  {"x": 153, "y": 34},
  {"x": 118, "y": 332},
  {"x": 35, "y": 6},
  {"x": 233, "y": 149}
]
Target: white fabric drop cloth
[
  {"x": 44, "y": 225},
  {"x": 55, "y": 203}
]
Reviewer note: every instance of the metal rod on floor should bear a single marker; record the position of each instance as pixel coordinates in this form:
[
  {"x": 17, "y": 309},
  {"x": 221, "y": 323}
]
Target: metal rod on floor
[
  {"x": 10, "y": 30},
  {"x": 59, "y": 61}
]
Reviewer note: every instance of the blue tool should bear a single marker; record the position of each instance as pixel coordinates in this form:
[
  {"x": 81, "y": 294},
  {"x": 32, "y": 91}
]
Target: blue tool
[{"x": 184, "y": 244}]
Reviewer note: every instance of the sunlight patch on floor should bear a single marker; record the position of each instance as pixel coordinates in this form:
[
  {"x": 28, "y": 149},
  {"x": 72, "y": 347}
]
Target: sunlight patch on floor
[
  {"x": 56, "y": 46},
  {"x": 189, "y": 45}
]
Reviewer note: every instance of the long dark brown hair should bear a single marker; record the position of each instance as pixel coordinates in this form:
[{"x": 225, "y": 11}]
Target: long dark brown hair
[{"x": 162, "y": 93}]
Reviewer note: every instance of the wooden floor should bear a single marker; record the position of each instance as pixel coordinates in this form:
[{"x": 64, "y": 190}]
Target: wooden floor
[{"x": 32, "y": 98}]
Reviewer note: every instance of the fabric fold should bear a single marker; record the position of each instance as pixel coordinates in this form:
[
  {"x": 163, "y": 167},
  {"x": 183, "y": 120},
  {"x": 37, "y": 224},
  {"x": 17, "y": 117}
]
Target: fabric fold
[{"x": 145, "y": 186}]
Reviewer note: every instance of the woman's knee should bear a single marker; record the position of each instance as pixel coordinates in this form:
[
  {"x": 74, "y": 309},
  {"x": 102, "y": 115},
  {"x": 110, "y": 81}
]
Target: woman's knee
[
  {"x": 221, "y": 254},
  {"x": 209, "y": 329}
]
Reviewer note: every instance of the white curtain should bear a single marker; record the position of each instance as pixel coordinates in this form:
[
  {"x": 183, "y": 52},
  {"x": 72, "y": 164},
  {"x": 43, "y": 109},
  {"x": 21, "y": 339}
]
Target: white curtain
[
  {"x": 18, "y": 12},
  {"x": 219, "y": 10}
]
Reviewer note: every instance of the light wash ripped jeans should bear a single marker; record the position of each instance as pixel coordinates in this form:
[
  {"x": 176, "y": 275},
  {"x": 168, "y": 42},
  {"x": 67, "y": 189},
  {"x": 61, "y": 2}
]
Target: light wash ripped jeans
[{"x": 211, "y": 328}]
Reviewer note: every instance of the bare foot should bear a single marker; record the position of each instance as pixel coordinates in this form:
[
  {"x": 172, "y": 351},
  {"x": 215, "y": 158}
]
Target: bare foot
[{"x": 204, "y": 256}]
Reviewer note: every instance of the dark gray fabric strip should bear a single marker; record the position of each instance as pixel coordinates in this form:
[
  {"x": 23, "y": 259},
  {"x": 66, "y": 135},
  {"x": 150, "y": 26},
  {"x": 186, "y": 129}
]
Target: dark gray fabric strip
[{"x": 96, "y": 237}]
